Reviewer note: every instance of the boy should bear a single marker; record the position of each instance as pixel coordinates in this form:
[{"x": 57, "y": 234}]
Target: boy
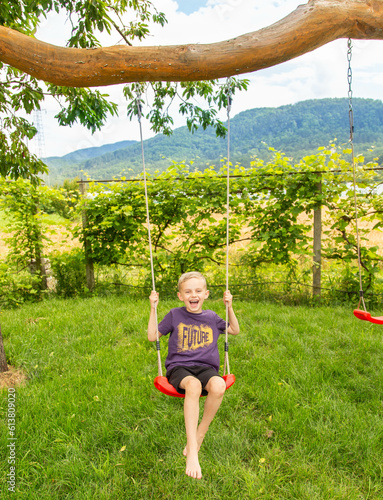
[{"x": 192, "y": 363}]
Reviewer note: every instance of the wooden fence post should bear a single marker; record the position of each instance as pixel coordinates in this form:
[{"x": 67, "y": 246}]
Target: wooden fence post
[
  {"x": 39, "y": 265},
  {"x": 90, "y": 282},
  {"x": 317, "y": 245}
]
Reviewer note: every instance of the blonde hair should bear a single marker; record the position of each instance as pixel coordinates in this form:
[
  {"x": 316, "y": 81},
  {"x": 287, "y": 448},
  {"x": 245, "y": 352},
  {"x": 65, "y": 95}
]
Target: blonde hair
[{"x": 187, "y": 276}]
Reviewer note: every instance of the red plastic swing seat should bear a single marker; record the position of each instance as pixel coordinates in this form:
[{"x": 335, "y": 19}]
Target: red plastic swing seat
[
  {"x": 366, "y": 316},
  {"x": 162, "y": 384}
]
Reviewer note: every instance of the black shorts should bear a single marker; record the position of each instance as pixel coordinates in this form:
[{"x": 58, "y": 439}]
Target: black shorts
[{"x": 202, "y": 373}]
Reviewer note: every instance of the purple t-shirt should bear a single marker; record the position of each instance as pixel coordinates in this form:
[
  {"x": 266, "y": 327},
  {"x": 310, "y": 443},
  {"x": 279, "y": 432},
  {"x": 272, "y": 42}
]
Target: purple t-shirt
[{"x": 193, "y": 337}]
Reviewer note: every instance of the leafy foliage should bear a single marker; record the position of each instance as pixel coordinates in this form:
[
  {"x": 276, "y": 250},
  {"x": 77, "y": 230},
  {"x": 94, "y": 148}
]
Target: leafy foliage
[
  {"x": 29, "y": 238},
  {"x": 17, "y": 287},
  {"x": 91, "y": 109},
  {"x": 21, "y": 201},
  {"x": 216, "y": 95},
  {"x": 18, "y": 92}
]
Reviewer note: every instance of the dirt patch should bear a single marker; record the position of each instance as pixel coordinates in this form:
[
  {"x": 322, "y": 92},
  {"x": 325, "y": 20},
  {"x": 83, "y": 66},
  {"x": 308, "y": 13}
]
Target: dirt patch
[{"x": 14, "y": 377}]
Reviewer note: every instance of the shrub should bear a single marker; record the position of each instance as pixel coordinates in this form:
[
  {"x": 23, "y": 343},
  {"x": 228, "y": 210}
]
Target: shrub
[
  {"x": 17, "y": 287},
  {"x": 69, "y": 272}
]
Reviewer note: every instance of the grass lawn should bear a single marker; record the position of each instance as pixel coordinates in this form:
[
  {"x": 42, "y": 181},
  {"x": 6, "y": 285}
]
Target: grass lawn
[{"x": 303, "y": 421}]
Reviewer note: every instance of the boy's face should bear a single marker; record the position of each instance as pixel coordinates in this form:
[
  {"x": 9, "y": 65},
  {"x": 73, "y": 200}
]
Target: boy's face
[{"x": 193, "y": 294}]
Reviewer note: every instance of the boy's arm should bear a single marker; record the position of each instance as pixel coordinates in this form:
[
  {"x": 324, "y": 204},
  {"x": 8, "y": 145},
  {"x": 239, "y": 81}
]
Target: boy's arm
[
  {"x": 233, "y": 322},
  {"x": 152, "y": 325}
]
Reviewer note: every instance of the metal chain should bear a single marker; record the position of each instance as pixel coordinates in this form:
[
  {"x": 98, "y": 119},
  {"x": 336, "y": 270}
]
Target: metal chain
[
  {"x": 349, "y": 80},
  {"x": 351, "y": 140}
]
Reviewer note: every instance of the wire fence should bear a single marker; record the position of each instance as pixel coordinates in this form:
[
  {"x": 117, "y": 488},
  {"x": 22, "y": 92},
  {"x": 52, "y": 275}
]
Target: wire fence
[
  {"x": 289, "y": 292},
  {"x": 232, "y": 176}
]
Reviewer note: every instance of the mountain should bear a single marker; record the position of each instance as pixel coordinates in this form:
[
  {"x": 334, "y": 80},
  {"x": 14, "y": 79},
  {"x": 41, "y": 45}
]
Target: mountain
[
  {"x": 296, "y": 129},
  {"x": 82, "y": 155}
]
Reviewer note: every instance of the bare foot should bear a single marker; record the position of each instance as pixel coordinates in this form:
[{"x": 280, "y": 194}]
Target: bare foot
[{"x": 193, "y": 468}]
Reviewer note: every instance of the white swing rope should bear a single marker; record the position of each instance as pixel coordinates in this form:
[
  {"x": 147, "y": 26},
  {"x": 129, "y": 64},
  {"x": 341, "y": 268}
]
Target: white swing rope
[
  {"x": 351, "y": 141},
  {"x": 139, "y": 114},
  {"x": 226, "y": 366}
]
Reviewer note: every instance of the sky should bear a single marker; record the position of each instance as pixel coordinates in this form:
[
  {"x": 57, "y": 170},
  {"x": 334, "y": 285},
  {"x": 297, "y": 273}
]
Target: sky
[{"x": 316, "y": 75}]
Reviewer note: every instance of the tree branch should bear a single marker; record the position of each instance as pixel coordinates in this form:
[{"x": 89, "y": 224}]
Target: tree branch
[{"x": 310, "y": 26}]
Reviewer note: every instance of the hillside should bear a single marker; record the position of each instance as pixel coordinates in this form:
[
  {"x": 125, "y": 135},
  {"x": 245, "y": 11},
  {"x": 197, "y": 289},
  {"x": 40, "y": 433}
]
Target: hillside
[{"x": 296, "y": 129}]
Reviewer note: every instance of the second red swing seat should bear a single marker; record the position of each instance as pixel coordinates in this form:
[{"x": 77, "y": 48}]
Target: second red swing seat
[
  {"x": 162, "y": 384},
  {"x": 366, "y": 316}
]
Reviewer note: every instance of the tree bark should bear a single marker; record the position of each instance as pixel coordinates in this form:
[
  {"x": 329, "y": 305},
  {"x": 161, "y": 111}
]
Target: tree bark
[
  {"x": 3, "y": 359},
  {"x": 310, "y": 26}
]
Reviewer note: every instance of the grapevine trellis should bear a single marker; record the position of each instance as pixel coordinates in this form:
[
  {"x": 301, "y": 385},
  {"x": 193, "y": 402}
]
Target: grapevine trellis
[{"x": 316, "y": 187}]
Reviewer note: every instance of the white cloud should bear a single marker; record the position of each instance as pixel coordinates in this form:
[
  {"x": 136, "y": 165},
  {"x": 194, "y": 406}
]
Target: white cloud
[{"x": 322, "y": 73}]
